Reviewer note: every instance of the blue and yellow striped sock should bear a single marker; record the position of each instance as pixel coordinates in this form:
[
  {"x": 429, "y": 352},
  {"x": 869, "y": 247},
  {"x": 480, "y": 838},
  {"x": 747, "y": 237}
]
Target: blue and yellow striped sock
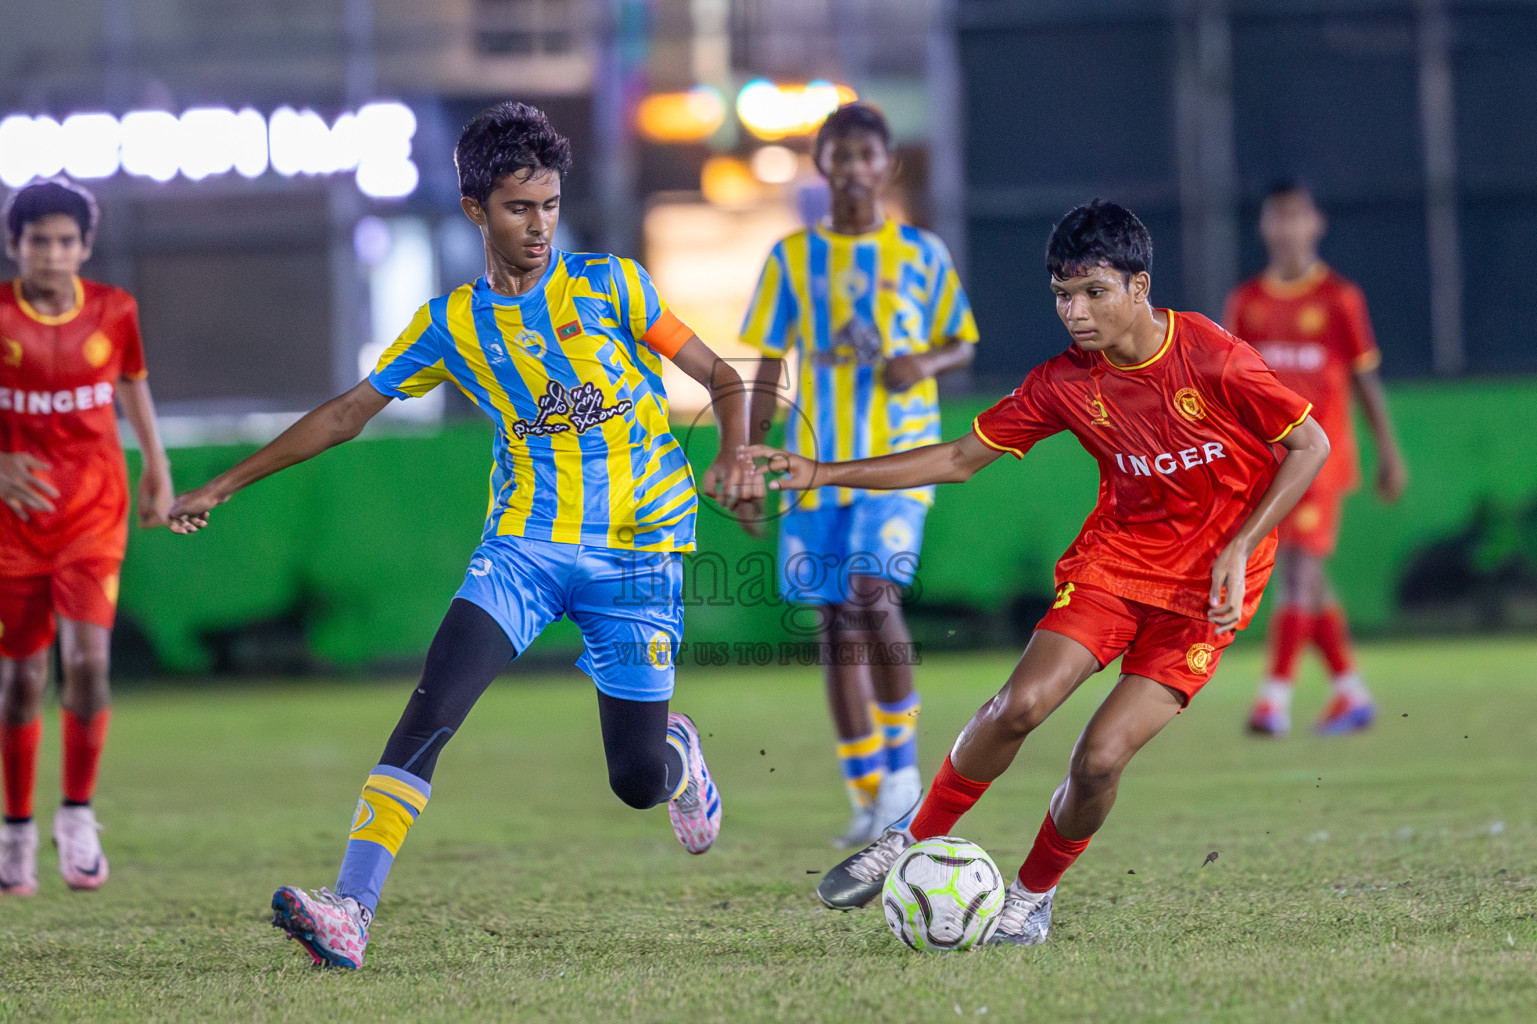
[
  {"x": 864, "y": 763},
  {"x": 392, "y": 798},
  {"x": 899, "y": 725}
]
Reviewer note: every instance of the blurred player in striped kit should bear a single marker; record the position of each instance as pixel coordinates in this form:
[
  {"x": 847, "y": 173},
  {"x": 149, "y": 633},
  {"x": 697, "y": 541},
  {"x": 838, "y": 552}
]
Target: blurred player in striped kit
[
  {"x": 872, "y": 311},
  {"x": 1310, "y": 326}
]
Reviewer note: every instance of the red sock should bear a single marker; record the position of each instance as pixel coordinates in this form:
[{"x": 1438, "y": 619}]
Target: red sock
[
  {"x": 1290, "y": 631},
  {"x": 950, "y": 796},
  {"x": 1332, "y": 636},
  {"x": 18, "y": 756},
  {"x": 83, "y": 741},
  {"x": 1049, "y": 858}
]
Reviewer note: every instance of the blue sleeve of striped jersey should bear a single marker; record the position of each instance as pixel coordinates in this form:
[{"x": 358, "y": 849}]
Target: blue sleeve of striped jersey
[
  {"x": 770, "y": 320},
  {"x": 413, "y": 364},
  {"x": 640, "y": 304},
  {"x": 950, "y": 313}
]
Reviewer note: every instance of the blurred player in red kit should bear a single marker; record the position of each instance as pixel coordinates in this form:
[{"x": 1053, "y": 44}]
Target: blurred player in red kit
[
  {"x": 68, "y": 349},
  {"x": 1310, "y": 326}
]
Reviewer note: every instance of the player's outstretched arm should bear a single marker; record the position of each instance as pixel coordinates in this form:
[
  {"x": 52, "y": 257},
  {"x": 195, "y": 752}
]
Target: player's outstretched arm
[
  {"x": 1307, "y": 447},
  {"x": 340, "y": 419},
  {"x": 155, "y": 493},
  {"x": 1392, "y": 474},
  {"x": 728, "y": 480},
  {"x": 904, "y": 371},
  {"x": 951, "y": 462}
]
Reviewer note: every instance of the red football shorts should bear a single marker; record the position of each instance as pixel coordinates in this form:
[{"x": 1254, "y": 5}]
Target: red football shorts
[
  {"x": 1169, "y": 648},
  {"x": 1313, "y": 525},
  {"x": 84, "y": 590}
]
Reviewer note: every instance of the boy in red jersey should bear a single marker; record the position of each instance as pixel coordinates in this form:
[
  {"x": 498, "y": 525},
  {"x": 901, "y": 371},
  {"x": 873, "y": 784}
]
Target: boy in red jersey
[
  {"x": 1183, "y": 419},
  {"x": 1310, "y": 326},
  {"x": 68, "y": 347}
]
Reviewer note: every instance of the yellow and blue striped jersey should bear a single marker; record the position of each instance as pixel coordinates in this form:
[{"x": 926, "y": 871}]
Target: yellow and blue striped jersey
[
  {"x": 846, "y": 304},
  {"x": 583, "y": 453}
]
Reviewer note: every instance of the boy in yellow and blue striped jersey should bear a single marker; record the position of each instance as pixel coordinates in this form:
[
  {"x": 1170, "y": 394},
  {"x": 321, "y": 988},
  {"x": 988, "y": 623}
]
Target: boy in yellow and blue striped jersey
[
  {"x": 872, "y": 311},
  {"x": 592, "y": 503}
]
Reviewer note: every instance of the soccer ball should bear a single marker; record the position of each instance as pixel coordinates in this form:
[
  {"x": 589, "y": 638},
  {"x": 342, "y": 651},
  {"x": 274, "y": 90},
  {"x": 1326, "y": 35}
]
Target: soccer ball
[{"x": 943, "y": 894}]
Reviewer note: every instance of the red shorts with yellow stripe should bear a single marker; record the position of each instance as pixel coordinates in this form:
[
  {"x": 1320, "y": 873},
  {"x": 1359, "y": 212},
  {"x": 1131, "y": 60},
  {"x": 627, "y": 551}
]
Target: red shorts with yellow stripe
[
  {"x": 1169, "y": 648},
  {"x": 1313, "y": 525},
  {"x": 83, "y": 589}
]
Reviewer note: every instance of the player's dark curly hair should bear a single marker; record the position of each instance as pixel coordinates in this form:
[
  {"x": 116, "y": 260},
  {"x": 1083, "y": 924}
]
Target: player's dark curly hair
[
  {"x": 1098, "y": 234},
  {"x": 848, "y": 119},
  {"x": 45, "y": 199},
  {"x": 509, "y": 138}
]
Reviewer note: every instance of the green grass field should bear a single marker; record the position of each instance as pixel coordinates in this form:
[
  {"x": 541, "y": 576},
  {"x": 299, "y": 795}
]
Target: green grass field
[{"x": 1388, "y": 876}]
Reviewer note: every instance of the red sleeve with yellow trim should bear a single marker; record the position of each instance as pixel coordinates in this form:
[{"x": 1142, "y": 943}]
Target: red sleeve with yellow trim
[
  {"x": 667, "y": 335},
  {"x": 122, "y": 322},
  {"x": 1021, "y": 419},
  {"x": 1356, "y": 331},
  {"x": 1264, "y": 405}
]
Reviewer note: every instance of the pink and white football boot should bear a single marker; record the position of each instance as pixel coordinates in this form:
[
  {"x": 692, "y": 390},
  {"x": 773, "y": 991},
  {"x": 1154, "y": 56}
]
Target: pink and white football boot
[
  {"x": 334, "y": 929},
  {"x": 695, "y": 812}
]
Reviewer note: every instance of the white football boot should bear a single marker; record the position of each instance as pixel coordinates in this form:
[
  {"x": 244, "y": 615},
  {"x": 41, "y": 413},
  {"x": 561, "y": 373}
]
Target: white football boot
[
  {"x": 81, "y": 861},
  {"x": 1025, "y": 918},
  {"x": 18, "y": 858}
]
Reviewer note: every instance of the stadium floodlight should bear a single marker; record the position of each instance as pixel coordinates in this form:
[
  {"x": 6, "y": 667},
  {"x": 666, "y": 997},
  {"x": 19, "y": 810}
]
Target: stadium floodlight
[
  {"x": 90, "y": 143},
  {"x": 151, "y": 144}
]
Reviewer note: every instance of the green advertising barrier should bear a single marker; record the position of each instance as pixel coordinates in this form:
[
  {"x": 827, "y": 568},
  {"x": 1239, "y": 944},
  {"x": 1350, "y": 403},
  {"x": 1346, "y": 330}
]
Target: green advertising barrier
[{"x": 363, "y": 546}]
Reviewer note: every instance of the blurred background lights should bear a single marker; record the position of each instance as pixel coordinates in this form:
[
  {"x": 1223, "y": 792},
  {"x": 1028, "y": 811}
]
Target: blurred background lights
[
  {"x": 726, "y": 181},
  {"x": 773, "y": 112},
  {"x": 681, "y": 116},
  {"x": 205, "y": 142},
  {"x": 775, "y": 165}
]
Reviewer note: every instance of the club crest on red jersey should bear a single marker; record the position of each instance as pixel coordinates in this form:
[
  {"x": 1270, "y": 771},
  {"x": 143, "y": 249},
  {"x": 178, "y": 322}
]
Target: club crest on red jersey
[
  {"x": 1099, "y": 415},
  {"x": 1189, "y": 403},
  {"x": 1311, "y": 320},
  {"x": 11, "y": 354},
  {"x": 97, "y": 350}
]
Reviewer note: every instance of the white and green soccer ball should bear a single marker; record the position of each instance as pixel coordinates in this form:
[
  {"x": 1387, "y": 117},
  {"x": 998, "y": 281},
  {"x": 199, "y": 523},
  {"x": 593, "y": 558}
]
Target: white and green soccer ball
[{"x": 943, "y": 894}]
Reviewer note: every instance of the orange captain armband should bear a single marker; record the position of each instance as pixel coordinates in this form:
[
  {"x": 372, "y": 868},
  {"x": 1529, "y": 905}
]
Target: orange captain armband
[{"x": 667, "y": 335}]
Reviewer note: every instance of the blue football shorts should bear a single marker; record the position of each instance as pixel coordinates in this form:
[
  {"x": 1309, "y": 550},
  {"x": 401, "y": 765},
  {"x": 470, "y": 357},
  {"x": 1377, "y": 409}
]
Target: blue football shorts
[
  {"x": 820, "y": 550},
  {"x": 628, "y": 605}
]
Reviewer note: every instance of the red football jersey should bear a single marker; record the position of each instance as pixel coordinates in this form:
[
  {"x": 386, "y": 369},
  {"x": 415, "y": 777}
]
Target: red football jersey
[
  {"x": 1315, "y": 334},
  {"x": 58, "y": 378},
  {"x": 1185, "y": 446}
]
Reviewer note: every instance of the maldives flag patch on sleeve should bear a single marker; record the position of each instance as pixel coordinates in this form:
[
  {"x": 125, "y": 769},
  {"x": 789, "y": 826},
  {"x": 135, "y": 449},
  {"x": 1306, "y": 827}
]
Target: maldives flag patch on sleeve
[{"x": 569, "y": 329}]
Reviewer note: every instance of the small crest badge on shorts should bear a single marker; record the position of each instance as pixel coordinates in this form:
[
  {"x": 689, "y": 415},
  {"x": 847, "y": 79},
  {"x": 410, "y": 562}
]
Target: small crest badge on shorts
[
  {"x": 1198, "y": 658},
  {"x": 659, "y": 651},
  {"x": 1064, "y": 596},
  {"x": 1189, "y": 404}
]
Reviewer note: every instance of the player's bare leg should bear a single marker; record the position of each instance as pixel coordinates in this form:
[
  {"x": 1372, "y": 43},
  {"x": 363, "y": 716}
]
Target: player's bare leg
[
  {"x": 84, "y": 712},
  {"x": 22, "y": 683},
  {"x": 1136, "y": 711},
  {"x": 884, "y": 635}
]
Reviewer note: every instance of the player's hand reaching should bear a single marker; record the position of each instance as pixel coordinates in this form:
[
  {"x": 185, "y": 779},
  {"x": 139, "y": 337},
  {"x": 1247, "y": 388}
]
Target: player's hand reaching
[
  {"x": 730, "y": 481},
  {"x": 902, "y": 372},
  {"x": 189, "y": 512},
  {"x": 155, "y": 496},
  {"x": 799, "y": 472},
  {"x": 23, "y": 485},
  {"x": 749, "y": 512},
  {"x": 1227, "y": 588},
  {"x": 1392, "y": 476}
]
